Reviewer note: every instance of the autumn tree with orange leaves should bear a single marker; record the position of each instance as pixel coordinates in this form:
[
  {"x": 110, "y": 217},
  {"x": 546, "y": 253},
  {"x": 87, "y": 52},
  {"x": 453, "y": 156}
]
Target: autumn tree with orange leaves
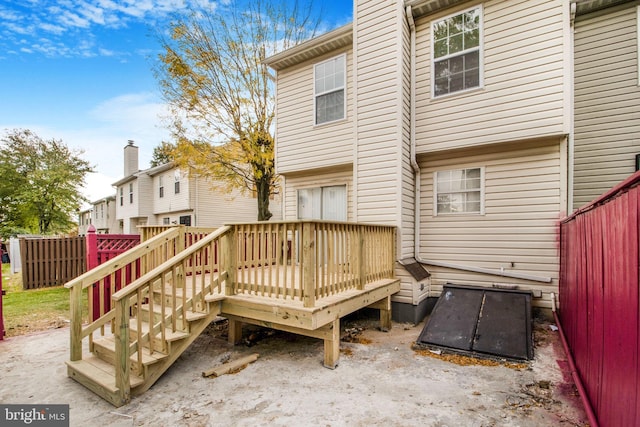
[{"x": 222, "y": 96}]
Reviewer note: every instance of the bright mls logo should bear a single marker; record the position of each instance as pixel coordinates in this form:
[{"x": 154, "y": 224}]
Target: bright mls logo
[{"x": 34, "y": 415}]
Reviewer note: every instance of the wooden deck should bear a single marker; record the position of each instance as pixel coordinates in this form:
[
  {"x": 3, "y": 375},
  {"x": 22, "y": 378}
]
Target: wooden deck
[{"x": 300, "y": 277}]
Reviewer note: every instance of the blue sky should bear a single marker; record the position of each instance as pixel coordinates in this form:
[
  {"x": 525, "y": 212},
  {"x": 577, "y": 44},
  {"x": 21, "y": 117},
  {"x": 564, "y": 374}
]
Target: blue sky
[{"x": 81, "y": 71}]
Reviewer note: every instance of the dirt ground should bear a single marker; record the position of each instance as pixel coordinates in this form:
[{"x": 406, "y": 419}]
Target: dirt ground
[{"x": 381, "y": 380}]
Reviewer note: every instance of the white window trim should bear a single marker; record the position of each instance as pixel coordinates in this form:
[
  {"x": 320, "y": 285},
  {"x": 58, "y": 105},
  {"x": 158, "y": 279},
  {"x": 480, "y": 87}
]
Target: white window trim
[
  {"x": 480, "y": 55},
  {"x": 346, "y": 207},
  {"x": 435, "y": 193},
  {"x": 344, "y": 90}
]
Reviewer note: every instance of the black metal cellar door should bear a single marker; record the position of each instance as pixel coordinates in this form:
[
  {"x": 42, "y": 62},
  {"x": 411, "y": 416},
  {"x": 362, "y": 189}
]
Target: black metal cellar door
[{"x": 481, "y": 321}]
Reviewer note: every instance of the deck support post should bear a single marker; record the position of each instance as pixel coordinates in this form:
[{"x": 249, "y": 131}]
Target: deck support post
[
  {"x": 122, "y": 361},
  {"x": 228, "y": 260},
  {"x": 309, "y": 264},
  {"x": 332, "y": 346},
  {"x": 235, "y": 331},
  {"x": 384, "y": 305},
  {"x": 76, "y": 323}
]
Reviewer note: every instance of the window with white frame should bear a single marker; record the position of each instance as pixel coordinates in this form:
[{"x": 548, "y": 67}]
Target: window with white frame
[
  {"x": 121, "y": 196},
  {"x": 329, "y": 90},
  {"x": 161, "y": 186},
  {"x": 166, "y": 221},
  {"x": 459, "y": 191},
  {"x": 176, "y": 184},
  {"x": 457, "y": 52},
  {"x": 130, "y": 193}
]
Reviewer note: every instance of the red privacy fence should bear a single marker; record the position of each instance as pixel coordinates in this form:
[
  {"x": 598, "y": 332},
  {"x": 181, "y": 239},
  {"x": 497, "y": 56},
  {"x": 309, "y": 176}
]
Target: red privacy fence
[{"x": 599, "y": 301}]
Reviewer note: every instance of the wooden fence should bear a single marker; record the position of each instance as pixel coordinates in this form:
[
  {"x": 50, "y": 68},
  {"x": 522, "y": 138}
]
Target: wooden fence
[
  {"x": 599, "y": 302},
  {"x": 51, "y": 261}
]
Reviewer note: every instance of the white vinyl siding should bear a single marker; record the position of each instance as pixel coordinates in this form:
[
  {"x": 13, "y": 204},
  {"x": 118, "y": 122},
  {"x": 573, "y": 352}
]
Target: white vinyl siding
[
  {"x": 607, "y": 101},
  {"x": 329, "y": 87},
  {"x": 523, "y": 92},
  {"x": 518, "y": 232},
  {"x": 298, "y": 139},
  {"x": 379, "y": 128}
]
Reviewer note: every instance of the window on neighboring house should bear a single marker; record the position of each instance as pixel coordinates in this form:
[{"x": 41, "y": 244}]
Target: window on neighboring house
[
  {"x": 459, "y": 191},
  {"x": 329, "y": 90},
  {"x": 185, "y": 220},
  {"x": 161, "y": 183},
  {"x": 101, "y": 211},
  {"x": 121, "y": 196},
  {"x": 130, "y": 193},
  {"x": 329, "y": 203},
  {"x": 176, "y": 184},
  {"x": 457, "y": 53},
  {"x": 165, "y": 221}
]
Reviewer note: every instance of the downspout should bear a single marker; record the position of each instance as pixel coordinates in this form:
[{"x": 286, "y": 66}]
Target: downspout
[
  {"x": 412, "y": 137},
  {"x": 571, "y": 142},
  {"x": 593, "y": 421},
  {"x": 416, "y": 171}
]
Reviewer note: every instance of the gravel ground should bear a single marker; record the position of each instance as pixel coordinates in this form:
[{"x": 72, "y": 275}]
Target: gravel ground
[{"x": 382, "y": 380}]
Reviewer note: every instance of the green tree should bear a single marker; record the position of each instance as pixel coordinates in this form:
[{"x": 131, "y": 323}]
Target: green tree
[
  {"x": 163, "y": 153},
  {"x": 222, "y": 96},
  {"x": 40, "y": 186}
]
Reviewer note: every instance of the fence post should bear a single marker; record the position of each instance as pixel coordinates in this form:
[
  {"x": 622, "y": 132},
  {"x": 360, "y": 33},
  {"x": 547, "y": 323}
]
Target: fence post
[
  {"x": 309, "y": 264},
  {"x": 91, "y": 246}
]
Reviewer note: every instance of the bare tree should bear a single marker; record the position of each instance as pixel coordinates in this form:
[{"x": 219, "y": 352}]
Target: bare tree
[{"x": 222, "y": 96}]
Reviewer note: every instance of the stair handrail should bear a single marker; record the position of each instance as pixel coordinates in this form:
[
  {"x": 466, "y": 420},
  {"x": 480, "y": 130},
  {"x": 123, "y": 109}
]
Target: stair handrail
[
  {"x": 86, "y": 279},
  {"x": 124, "y": 345}
]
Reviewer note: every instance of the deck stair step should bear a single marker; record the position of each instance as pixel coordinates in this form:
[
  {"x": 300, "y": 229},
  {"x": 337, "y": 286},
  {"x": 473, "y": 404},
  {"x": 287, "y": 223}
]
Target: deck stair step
[
  {"x": 99, "y": 376},
  {"x": 169, "y": 335},
  {"x": 105, "y": 348},
  {"x": 157, "y": 310}
]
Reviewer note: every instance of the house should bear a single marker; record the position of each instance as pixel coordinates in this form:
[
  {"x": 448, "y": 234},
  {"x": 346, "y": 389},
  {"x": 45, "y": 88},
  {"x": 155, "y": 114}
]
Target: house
[
  {"x": 102, "y": 214},
  {"x": 84, "y": 220},
  {"x": 453, "y": 121},
  {"x": 607, "y": 96},
  {"x": 166, "y": 195}
]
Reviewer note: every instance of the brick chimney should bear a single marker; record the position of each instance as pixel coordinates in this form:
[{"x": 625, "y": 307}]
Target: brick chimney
[{"x": 130, "y": 158}]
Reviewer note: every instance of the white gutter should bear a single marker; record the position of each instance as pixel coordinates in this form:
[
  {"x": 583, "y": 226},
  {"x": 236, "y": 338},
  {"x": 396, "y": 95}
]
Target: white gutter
[{"x": 416, "y": 170}]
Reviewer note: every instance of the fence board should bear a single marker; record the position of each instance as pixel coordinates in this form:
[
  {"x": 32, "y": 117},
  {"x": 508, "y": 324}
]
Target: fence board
[
  {"x": 600, "y": 301},
  {"x": 51, "y": 261}
]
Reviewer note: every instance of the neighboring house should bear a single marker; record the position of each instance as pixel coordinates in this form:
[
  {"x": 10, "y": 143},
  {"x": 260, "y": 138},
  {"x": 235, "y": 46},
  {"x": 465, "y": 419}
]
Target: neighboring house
[
  {"x": 165, "y": 195},
  {"x": 452, "y": 120},
  {"x": 84, "y": 220},
  {"x": 607, "y": 97},
  {"x": 102, "y": 214}
]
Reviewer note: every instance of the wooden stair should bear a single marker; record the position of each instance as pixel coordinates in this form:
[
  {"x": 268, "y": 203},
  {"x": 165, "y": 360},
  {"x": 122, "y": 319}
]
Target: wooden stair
[{"x": 97, "y": 369}]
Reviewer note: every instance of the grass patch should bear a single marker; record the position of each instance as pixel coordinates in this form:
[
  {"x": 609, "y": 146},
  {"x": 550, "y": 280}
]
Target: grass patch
[{"x": 27, "y": 311}]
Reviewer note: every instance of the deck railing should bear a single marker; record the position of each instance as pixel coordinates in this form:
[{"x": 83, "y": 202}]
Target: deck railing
[
  {"x": 180, "y": 268},
  {"x": 309, "y": 260}
]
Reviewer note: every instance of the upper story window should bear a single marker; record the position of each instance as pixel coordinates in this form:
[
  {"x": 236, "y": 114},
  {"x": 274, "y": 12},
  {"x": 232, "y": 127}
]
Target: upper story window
[
  {"x": 176, "y": 184},
  {"x": 329, "y": 89},
  {"x": 457, "y": 52},
  {"x": 130, "y": 193},
  {"x": 161, "y": 186},
  {"x": 459, "y": 191},
  {"x": 121, "y": 196}
]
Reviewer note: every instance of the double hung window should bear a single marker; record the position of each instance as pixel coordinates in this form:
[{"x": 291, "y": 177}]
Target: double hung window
[
  {"x": 459, "y": 191},
  {"x": 457, "y": 52},
  {"x": 329, "y": 90}
]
